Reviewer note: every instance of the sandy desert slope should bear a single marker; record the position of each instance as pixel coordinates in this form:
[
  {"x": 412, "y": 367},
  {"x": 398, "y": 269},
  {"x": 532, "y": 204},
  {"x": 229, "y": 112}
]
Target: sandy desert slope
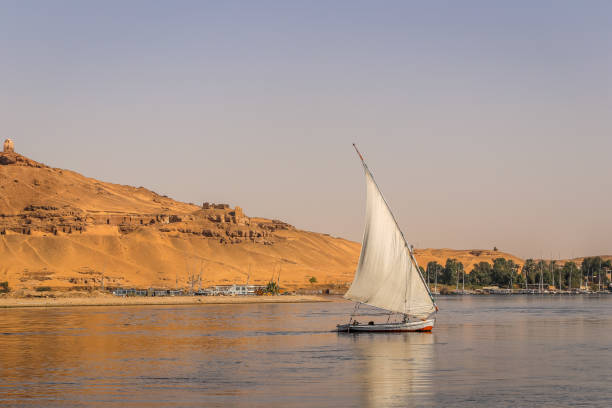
[{"x": 64, "y": 230}]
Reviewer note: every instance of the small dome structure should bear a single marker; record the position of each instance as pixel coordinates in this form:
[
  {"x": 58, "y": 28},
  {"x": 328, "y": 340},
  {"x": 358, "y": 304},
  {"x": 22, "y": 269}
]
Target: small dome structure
[{"x": 9, "y": 146}]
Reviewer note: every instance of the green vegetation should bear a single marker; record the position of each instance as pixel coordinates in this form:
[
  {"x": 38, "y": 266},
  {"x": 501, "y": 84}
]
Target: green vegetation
[
  {"x": 4, "y": 287},
  {"x": 571, "y": 275},
  {"x": 433, "y": 272},
  {"x": 312, "y": 280},
  {"x": 505, "y": 273},
  {"x": 452, "y": 272},
  {"x": 481, "y": 274},
  {"x": 444, "y": 275},
  {"x": 272, "y": 288},
  {"x": 594, "y": 268},
  {"x": 43, "y": 289}
]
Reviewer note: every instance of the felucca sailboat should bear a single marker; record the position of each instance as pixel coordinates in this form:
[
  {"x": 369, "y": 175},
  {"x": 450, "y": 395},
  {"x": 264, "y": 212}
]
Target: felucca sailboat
[{"x": 388, "y": 276}]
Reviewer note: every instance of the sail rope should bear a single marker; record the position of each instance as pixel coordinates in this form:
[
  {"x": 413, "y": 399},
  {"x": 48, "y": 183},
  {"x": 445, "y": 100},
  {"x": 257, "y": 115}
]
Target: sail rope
[
  {"x": 406, "y": 307},
  {"x": 354, "y": 312}
]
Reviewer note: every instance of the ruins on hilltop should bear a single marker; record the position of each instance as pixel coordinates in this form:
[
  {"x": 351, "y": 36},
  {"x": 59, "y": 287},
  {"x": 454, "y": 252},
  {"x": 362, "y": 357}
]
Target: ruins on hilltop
[
  {"x": 9, "y": 147},
  {"x": 8, "y": 156}
]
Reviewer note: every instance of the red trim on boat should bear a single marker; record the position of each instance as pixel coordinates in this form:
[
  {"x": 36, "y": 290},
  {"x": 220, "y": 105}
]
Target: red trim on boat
[{"x": 424, "y": 329}]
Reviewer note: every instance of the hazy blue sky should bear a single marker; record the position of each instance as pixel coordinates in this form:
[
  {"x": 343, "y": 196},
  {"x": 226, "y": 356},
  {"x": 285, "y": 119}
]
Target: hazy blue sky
[{"x": 485, "y": 123}]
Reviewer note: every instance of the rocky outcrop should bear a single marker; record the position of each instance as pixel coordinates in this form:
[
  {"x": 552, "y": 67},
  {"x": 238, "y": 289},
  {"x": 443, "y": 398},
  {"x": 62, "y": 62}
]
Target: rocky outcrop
[
  {"x": 218, "y": 222},
  {"x": 15, "y": 159},
  {"x": 6, "y": 159}
]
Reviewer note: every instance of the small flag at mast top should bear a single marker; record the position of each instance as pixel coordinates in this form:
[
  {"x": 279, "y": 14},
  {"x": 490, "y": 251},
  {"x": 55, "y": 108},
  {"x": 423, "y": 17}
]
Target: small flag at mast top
[{"x": 357, "y": 150}]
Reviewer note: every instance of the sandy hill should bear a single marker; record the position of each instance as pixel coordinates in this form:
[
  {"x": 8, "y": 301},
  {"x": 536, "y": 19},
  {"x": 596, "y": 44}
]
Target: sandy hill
[{"x": 61, "y": 229}]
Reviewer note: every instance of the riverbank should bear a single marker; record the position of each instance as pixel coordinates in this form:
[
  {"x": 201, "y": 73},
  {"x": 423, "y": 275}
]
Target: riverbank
[{"x": 9, "y": 302}]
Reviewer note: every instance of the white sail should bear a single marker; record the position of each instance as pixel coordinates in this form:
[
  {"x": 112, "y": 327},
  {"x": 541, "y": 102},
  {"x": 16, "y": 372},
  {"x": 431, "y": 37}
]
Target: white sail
[{"x": 386, "y": 276}]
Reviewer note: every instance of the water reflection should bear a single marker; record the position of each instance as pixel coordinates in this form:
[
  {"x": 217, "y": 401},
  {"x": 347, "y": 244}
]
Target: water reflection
[
  {"x": 64, "y": 356},
  {"x": 397, "y": 368},
  {"x": 555, "y": 351}
]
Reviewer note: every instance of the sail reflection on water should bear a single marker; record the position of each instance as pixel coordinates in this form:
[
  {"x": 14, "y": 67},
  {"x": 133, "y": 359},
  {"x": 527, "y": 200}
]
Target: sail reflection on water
[{"x": 397, "y": 369}]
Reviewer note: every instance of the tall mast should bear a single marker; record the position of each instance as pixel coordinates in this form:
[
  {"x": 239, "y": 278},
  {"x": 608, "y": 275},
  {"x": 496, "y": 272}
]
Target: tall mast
[
  {"x": 200, "y": 279},
  {"x": 541, "y": 276},
  {"x": 552, "y": 271},
  {"x": 599, "y": 276},
  {"x": 560, "y": 274},
  {"x": 436, "y": 281}
]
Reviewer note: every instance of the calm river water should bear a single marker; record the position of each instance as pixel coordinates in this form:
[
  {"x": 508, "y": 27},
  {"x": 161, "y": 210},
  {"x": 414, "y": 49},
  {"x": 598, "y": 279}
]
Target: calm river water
[{"x": 484, "y": 351}]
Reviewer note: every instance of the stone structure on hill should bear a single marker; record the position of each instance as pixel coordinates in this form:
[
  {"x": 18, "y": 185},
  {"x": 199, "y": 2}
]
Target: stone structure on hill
[
  {"x": 9, "y": 157},
  {"x": 215, "y": 221},
  {"x": 43, "y": 213},
  {"x": 9, "y": 146}
]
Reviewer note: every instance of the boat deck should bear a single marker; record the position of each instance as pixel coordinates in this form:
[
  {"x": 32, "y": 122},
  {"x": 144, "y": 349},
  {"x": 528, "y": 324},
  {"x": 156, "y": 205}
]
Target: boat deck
[{"x": 418, "y": 326}]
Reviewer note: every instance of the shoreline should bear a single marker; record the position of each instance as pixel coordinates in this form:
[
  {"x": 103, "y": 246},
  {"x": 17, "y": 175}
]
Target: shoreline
[{"x": 11, "y": 303}]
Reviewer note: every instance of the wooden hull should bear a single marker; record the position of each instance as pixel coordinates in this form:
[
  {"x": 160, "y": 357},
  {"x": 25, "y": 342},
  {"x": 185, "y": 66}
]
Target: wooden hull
[{"x": 420, "y": 326}]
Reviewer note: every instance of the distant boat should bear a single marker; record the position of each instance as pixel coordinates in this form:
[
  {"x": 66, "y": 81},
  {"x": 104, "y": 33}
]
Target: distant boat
[{"x": 388, "y": 276}]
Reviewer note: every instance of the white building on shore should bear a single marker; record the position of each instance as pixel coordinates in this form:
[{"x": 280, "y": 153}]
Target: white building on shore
[{"x": 232, "y": 290}]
